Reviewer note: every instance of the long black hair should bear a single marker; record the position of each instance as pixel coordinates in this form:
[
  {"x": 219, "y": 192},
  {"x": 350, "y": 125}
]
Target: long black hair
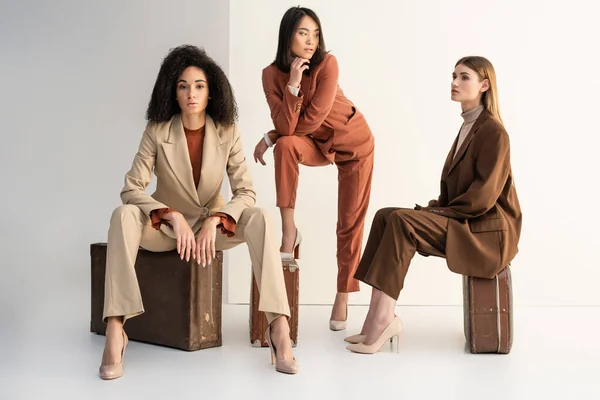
[
  {"x": 163, "y": 103},
  {"x": 287, "y": 29}
]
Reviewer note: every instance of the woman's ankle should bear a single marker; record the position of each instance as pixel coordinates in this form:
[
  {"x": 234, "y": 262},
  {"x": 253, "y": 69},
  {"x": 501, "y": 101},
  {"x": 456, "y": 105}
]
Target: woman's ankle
[
  {"x": 280, "y": 324},
  {"x": 114, "y": 323}
]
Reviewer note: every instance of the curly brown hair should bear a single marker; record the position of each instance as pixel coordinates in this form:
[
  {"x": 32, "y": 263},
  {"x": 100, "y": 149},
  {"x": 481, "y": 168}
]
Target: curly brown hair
[{"x": 163, "y": 103}]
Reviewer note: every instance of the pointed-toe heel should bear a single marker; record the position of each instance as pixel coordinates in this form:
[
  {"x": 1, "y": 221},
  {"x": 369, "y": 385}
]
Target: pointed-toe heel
[
  {"x": 390, "y": 333},
  {"x": 114, "y": 371},
  {"x": 283, "y": 366},
  {"x": 354, "y": 339},
  {"x": 337, "y": 325}
]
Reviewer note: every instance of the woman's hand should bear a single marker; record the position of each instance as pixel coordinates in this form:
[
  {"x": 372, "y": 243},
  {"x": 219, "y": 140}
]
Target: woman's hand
[
  {"x": 205, "y": 242},
  {"x": 296, "y": 69},
  {"x": 260, "y": 150},
  {"x": 186, "y": 244}
]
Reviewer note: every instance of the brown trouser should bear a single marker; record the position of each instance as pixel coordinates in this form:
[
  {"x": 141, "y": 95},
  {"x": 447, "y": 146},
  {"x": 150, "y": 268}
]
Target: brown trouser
[
  {"x": 396, "y": 235},
  {"x": 355, "y": 171}
]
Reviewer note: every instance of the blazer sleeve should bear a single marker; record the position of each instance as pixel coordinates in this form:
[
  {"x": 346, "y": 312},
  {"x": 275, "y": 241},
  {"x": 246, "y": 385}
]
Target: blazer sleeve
[
  {"x": 491, "y": 170},
  {"x": 285, "y": 111},
  {"x": 322, "y": 101},
  {"x": 140, "y": 175},
  {"x": 240, "y": 181}
]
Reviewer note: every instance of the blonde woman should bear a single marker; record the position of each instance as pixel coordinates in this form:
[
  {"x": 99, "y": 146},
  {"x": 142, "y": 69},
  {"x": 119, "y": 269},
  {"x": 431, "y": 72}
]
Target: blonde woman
[{"x": 475, "y": 223}]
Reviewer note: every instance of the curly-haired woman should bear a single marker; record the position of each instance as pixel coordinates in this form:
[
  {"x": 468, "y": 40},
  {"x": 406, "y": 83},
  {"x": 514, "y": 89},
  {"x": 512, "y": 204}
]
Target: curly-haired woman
[{"x": 189, "y": 141}]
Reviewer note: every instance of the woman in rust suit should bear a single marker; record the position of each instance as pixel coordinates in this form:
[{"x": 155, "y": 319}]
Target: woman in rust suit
[{"x": 316, "y": 125}]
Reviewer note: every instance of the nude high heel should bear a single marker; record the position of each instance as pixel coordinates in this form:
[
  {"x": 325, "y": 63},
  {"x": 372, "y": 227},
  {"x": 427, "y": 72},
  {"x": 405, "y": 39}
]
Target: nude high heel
[
  {"x": 391, "y": 334},
  {"x": 295, "y": 254},
  {"x": 339, "y": 325},
  {"x": 114, "y": 371},
  {"x": 283, "y": 366}
]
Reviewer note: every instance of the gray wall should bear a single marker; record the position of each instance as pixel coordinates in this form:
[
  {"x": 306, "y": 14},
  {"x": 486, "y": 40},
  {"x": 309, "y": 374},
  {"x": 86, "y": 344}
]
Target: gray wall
[{"x": 75, "y": 79}]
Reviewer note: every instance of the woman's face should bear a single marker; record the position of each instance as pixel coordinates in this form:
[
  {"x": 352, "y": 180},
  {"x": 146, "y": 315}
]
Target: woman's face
[
  {"x": 466, "y": 86},
  {"x": 306, "y": 39},
  {"x": 192, "y": 91}
]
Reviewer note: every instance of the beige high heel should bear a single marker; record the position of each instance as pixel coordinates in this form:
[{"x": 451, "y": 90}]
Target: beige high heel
[
  {"x": 390, "y": 333},
  {"x": 281, "y": 365},
  {"x": 339, "y": 325},
  {"x": 354, "y": 339},
  {"x": 295, "y": 254},
  {"x": 114, "y": 371}
]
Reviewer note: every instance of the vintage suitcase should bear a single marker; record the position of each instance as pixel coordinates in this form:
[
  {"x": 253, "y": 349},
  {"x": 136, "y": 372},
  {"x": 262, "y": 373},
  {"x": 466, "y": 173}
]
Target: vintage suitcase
[
  {"x": 182, "y": 300},
  {"x": 487, "y": 306},
  {"x": 258, "y": 320}
]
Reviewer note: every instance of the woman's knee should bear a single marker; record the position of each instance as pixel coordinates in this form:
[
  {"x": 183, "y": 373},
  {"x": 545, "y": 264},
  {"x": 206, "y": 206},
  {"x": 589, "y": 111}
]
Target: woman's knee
[
  {"x": 256, "y": 216},
  {"x": 383, "y": 214},
  {"x": 125, "y": 211},
  {"x": 260, "y": 213},
  {"x": 285, "y": 145}
]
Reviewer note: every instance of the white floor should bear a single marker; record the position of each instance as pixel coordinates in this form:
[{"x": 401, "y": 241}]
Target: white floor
[{"x": 556, "y": 354}]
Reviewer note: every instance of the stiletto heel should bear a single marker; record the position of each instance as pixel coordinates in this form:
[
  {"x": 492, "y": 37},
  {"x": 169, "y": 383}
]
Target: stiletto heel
[
  {"x": 273, "y": 356},
  {"x": 390, "y": 333},
  {"x": 395, "y": 342},
  {"x": 297, "y": 246},
  {"x": 284, "y": 366},
  {"x": 295, "y": 254}
]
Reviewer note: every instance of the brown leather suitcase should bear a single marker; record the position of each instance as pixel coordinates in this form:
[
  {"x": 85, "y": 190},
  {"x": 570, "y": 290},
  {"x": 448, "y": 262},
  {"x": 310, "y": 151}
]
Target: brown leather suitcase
[
  {"x": 182, "y": 300},
  {"x": 487, "y": 306},
  {"x": 258, "y": 320}
]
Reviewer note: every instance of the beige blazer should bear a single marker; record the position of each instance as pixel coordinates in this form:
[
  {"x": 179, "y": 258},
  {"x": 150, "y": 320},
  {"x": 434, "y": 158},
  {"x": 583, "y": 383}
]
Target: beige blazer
[{"x": 163, "y": 150}]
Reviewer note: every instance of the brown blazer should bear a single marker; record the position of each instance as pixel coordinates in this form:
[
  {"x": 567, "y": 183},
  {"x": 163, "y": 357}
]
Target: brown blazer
[
  {"x": 163, "y": 150},
  {"x": 319, "y": 111},
  {"x": 478, "y": 195}
]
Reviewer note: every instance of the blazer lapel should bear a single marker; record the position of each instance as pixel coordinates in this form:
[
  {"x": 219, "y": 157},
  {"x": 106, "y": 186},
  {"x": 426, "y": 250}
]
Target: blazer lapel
[
  {"x": 212, "y": 156},
  {"x": 465, "y": 145},
  {"x": 449, "y": 158},
  {"x": 178, "y": 156}
]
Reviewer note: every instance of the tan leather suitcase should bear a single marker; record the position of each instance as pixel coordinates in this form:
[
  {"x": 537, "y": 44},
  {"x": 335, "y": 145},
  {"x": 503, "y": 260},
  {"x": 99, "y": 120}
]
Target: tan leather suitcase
[
  {"x": 487, "y": 306},
  {"x": 258, "y": 320},
  {"x": 182, "y": 300}
]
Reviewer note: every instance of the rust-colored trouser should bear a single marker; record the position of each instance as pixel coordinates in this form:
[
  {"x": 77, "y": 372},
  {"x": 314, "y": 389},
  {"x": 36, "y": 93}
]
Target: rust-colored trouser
[
  {"x": 355, "y": 172},
  {"x": 396, "y": 235}
]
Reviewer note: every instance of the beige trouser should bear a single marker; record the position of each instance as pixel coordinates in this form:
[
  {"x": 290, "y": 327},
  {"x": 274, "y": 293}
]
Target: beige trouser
[{"x": 130, "y": 229}]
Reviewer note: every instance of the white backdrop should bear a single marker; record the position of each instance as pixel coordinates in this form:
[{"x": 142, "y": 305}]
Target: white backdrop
[
  {"x": 396, "y": 60},
  {"x": 76, "y": 78}
]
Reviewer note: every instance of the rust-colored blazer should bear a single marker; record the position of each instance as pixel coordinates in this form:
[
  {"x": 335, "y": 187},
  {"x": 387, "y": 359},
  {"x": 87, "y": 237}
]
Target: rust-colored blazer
[
  {"x": 478, "y": 195},
  {"x": 320, "y": 111}
]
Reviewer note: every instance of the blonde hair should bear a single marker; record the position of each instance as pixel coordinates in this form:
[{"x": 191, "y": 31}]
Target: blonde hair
[{"x": 485, "y": 70}]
